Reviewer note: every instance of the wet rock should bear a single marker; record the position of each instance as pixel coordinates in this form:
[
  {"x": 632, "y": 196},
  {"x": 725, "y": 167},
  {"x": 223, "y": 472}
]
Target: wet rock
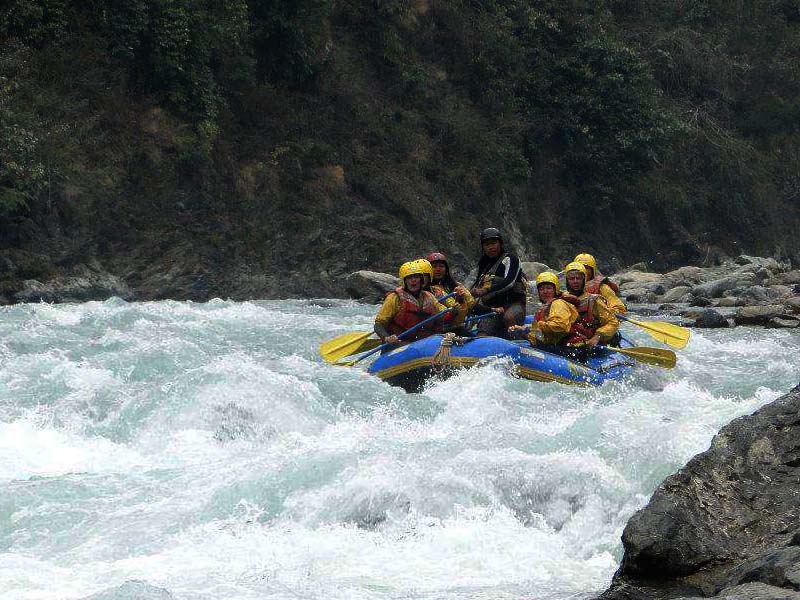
[
  {"x": 710, "y": 319},
  {"x": 88, "y": 285},
  {"x": 638, "y": 279},
  {"x": 729, "y": 517},
  {"x": 751, "y": 591},
  {"x": 370, "y": 286},
  {"x": 133, "y": 589},
  {"x": 676, "y": 294},
  {"x": 793, "y": 304},
  {"x": 787, "y": 322},
  {"x": 790, "y": 278},
  {"x": 639, "y": 296},
  {"x": 685, "y": 276},
  {"x": 759, "y": 315},
  {"x": 715, "y": 288},
  {"x": 729, "y": 301},
  {"x": 779, "y": 291},
  {"x": 755, "y": 294},
  {"x": 700, "y": 301}
]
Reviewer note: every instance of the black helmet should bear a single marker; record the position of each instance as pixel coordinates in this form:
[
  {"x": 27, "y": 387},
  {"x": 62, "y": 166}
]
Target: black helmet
[{"x": 491, "y": 233}]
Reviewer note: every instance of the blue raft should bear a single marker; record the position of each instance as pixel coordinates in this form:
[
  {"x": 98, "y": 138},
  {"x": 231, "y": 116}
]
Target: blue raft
[{"x": 412, "y": 365}]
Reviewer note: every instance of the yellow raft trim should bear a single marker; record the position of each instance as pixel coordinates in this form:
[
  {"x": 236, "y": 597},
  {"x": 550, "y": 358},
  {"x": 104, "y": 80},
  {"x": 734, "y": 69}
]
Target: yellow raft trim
[{"x": 467, "y": 361}]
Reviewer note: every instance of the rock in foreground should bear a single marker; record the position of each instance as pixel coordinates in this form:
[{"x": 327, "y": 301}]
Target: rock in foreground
[{"x": 730, "y": 517}]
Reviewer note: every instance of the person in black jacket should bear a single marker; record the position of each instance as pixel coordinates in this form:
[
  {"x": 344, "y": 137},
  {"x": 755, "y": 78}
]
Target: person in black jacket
[{"x": 500, "y": 283}]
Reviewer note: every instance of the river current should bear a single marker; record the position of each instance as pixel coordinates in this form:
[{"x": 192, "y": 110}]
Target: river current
[{"x": 206, "y": 449}]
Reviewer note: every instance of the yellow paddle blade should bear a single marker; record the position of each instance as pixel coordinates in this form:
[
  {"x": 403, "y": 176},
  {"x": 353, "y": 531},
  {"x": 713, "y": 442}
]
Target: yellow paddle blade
[
  {"x": 344, "y": 345},
  {"x": 660, "y": 357},
  {"x": 672, "y": 335}
]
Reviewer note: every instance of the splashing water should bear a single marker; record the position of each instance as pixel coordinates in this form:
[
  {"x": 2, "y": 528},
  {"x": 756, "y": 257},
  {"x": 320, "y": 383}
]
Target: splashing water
[{"x": 206, "y": 449}]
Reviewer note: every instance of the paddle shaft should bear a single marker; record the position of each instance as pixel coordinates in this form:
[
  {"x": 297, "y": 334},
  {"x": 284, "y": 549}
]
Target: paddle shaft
[{"x": 411, "y": 330}]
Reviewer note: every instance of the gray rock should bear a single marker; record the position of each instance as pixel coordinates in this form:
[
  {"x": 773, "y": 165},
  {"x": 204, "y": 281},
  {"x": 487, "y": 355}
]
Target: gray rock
[
  {"x": 710, "y": 319},
  {"x": 133, "y": 589},
  {"x": 787, "y": 322},
  {"x": 755, "y": 294},
  {"x": 777, "y": 292},
  {"x": 779, "y": 567},
  {"x": 729, "y": 301},
  {"x": 759, "y": 315},
  {"x": 790, "y": 278},
  {"x": 685, "y": 276},
  {"x": 715, "y": 288},
  {"x": 370, "y": 286},
  {"x": 90, "y": 286},
  {"x": 676, "y": 293},
  {"x": 639, "y": 296},
  {"x": 699, "y": 301},
  {"x": 638, "y": 279},
  {"x": 532, "y": 269},
  {"x": 640, "y": 266},
  {"x": 730, "y": 516},
  {"x": 793, "y": 304}
]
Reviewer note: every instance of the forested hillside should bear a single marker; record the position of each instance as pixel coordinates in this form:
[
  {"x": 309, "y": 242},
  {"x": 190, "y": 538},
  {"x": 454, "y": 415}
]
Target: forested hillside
[{"x": 252, "y": 148}]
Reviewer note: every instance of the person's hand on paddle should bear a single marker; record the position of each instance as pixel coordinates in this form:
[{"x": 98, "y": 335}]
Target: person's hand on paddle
[
  {"x": 391, "y": 339},
  {"x": 499, "y": 310},
  {"x": 460, "y": 291},
  {"x": 516, "y": 328},
  {"x": 593, "y": 341}
]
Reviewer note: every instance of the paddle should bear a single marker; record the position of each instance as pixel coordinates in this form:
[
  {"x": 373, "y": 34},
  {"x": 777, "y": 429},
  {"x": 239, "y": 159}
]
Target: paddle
[
  {"x": 401, "y": 336},
  {"x": 660, "y": 357},
  {"x": 667, "y": 333},
  {"x": 353, "y": 342}
]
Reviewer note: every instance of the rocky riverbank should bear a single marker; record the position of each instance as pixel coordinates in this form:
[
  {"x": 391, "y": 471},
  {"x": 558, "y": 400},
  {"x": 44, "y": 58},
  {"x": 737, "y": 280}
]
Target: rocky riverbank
[{"x": 727, "y": 525}]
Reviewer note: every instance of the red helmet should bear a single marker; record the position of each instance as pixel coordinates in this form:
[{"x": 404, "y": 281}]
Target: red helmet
[{"x": 434, "y": 256}]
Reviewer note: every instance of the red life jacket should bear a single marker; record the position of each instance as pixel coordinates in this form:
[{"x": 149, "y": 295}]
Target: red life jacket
[
  {"x": 593, "y": 285},
  {"x": 413, "y": 311},
  {"x": 586, "y": 325}
]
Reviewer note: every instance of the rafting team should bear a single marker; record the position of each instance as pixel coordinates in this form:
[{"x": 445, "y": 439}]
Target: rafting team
[{"x": 582, "y": 316}]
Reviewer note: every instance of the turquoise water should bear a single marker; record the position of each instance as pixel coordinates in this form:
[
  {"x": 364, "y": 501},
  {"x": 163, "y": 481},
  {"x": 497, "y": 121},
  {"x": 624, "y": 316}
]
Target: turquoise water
[{"x": 206, "y": 449}]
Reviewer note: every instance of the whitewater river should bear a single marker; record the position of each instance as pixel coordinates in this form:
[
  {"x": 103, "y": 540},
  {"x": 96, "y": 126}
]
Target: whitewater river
[{"x": 207, "y": 450}]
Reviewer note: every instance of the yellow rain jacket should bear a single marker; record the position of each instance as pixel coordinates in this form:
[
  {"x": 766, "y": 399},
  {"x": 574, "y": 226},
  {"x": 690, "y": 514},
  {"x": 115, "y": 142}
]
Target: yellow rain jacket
[{"x": 554, "y": 320}]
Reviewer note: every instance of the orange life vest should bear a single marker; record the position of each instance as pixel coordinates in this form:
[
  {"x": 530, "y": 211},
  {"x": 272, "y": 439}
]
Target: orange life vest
[
  {"x": 413, "y": 311},
  {"x": 586, "y": 325},
  {"x": 593, "y": 285}
]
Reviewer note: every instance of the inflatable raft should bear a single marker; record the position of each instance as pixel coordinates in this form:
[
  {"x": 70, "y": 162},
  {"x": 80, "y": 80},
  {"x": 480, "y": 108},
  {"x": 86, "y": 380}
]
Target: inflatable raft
[{"x": 413, "y": 365}]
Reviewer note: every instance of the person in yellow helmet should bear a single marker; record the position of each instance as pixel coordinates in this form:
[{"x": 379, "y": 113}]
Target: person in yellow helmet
[
  {"x": 599, "y": 284},
  {"x": 408, "y": 305},
  {"x": 553, "y": 322},
  {"x": 443, "y": 283},
  {"x": 596, "y": 323}
]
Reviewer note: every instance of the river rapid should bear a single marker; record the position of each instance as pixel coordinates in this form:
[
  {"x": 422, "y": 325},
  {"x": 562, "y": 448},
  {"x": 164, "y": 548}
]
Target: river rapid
[{"x": 206, "y": 449}]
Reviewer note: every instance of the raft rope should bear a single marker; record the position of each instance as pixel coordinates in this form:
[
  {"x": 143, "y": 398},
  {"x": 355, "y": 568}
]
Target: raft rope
[{"x": 441, "y": 359}]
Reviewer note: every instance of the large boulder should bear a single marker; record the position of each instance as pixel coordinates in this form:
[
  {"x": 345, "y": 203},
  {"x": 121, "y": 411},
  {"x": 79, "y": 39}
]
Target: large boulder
[
  {"x": 677, "y": 294},
  {"x": 793, "y": 304},
  {"x": 716, "y": 287},
  {"x": 710, "y": 319},
  {"x": 370, "y": 286},
  {"x": 729, "y": 517},
  {"x": 759, "y": 315}
]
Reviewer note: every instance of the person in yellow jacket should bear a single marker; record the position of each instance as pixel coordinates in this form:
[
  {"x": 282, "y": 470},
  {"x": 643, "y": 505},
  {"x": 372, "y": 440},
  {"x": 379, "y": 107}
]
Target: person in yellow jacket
[
  {"x": 408, "y": 305},
  {"x": 599, "y": 284},
  {"x": 442, "y": 283},
  {"x": 553, "y": 322},
  {"x": 596, "y": 323}
]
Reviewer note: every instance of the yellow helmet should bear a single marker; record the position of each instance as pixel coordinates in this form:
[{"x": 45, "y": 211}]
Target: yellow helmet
[
  {"x": 548, "y": 277},
  {"x": 575, "y": 266},
  {"x": 412, "y": 267},
  {"x": 587, "y": 260},
  {"x": 426, "y": 266}
]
